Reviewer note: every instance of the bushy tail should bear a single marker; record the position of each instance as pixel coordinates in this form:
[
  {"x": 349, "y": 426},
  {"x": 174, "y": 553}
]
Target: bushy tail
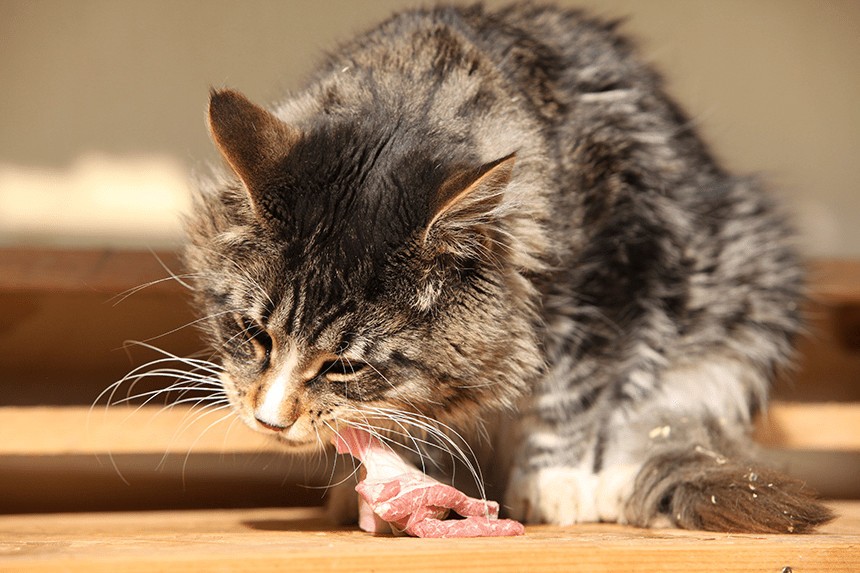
[{"x": 697, "y": 488}]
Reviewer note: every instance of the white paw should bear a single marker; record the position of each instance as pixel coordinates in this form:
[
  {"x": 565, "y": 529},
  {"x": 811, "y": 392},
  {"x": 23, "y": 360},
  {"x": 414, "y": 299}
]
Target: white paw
[{"x": 564, "y": 496}]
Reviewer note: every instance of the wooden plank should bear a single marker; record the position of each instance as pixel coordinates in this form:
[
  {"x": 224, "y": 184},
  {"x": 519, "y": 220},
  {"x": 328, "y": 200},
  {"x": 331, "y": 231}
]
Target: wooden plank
[
  {"x": 159, "y": 430},
  {"x": 118, "y": 430},
  {"x": 835, "y": 280},
  {"x": 61, "y": 348},
  {"x": 46, "y": 294},
  {"x": 299, "y": 540},
  {"x": 98, "y": 482},
  {"x": 89, "y": 270},
  {"x": 828, "y": 426}
]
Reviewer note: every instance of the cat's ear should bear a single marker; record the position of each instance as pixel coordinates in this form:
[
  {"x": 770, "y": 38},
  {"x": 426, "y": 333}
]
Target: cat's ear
[
  {"x": 252, "y": 140},
  {"x": 464, "y": 200}
]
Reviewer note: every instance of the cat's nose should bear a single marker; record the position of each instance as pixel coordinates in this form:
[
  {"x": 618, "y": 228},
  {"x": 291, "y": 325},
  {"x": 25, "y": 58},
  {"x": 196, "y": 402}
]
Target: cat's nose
[{"x": 270, "y": 426}]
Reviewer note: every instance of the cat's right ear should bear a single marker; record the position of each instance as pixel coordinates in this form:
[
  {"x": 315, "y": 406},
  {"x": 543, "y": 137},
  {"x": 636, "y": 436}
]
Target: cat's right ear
[{"x": 251, "y": 139}]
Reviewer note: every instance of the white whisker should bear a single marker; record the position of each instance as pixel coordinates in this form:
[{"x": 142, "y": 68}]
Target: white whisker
[
  {"x": 121, "y": 297},
  {"x": 437, "y": 429}
]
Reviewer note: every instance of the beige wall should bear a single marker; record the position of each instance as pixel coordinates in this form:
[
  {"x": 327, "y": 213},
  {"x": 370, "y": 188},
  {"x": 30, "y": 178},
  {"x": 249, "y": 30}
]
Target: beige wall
[{"x": 774, "y": 85}]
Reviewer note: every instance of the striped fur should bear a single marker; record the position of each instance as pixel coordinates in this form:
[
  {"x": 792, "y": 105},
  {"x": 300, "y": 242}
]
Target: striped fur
[{"x": 469, "y": 211}]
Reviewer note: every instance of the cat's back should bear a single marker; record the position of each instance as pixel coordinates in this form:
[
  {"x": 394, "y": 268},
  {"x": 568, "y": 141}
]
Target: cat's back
[{"x": 542, "y": 55}]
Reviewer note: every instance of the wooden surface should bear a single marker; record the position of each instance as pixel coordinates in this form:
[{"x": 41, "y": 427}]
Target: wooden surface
[
  {"x": 73, "y": 459},
  {"x": 67, "y": 315},
  {"x": 100, "y": 270},
  {"x": 125, "y": 430},
  {"x": 296, "y": 540},
  {"x": 830, "y": 426},
  {"x": 156, "y": 430},
  {"x": 835, "y": 280}
]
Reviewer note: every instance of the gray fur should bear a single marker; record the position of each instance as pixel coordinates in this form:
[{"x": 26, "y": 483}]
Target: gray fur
[{"x": 616, "y": 282}]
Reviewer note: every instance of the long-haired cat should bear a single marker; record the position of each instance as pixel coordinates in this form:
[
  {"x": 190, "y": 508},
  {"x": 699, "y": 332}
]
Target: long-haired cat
[{"x": 469, "y": 212}]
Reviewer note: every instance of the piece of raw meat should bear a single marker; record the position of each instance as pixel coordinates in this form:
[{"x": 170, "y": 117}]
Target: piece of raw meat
[{"x": 395, "y": 496}]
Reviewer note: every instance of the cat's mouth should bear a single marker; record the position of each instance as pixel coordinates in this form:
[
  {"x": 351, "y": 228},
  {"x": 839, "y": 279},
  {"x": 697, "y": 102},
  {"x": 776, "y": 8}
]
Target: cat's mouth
[
  {"x": 292, "y": 437},
  {"x": 298, "y": 445}
]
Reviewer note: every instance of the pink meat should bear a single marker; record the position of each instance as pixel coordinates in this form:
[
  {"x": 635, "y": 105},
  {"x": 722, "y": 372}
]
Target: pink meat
[{"x": 395, "y": 496}]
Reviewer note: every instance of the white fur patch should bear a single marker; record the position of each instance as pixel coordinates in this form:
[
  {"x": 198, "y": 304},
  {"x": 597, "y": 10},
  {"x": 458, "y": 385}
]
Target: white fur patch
[
  {"x": 564, "y": 495},
  {"x": 269, "y": 407}
]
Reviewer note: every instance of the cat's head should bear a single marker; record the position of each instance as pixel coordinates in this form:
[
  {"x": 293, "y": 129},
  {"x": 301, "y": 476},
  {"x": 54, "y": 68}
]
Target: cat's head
[{"x": 353, "y": 269}]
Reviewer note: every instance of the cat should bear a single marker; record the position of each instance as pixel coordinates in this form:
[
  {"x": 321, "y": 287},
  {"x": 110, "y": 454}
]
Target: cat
[{"x": 471, "y": 211}]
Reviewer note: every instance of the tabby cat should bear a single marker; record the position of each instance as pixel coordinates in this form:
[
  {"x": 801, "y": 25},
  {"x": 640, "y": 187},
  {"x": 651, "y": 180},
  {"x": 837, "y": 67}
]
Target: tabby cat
[{"x": 496, "y": 222}]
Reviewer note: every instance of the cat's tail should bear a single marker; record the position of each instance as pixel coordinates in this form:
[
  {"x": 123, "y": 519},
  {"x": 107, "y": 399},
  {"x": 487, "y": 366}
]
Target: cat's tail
[{"x": 698, "y": 488}]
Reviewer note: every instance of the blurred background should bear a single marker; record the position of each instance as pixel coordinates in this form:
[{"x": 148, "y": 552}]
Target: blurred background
[
  {"x": 101, "y": 110},
  {"x": 102, "y": 126}
]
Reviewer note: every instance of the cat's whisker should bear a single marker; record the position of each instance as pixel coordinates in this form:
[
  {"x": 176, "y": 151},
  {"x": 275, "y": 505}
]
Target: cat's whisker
[
  {"x": 180, "y": 378},
  {"x": 322, "y": 448},
  {"x": 400, "y": 421},
  {"x": 187, "y": 324},
  {"x": 195, "y": 401},
  {"x": 201, "y": 376},
  {"x": 376, "y": 431},
  {"x": 387, "y": 381},
  {"x": 211, "y": 399},
  {"x": 214, "y": 390},
  {"x": 173, "y": 275},
  {"x": 385, "y": 440},
  {"x": 331, "y": 483},
  {"x": 356, "y": 464},
  {"x": 197, "y": 412},
  {"x": 229, "y": 429},
  {"x": 121, "y": 297},
  {"x": 176, "y": 374},
  {"x": 147, "y": 370},
  {"x": 152, "y": 394},
  {"x": 405, "y": 433},
  {"x": 207, "y": 365},
  {"x": 206, "y": 412},
  {"x": 191, "y": 417},
  {"x": 434, "y": 428}
]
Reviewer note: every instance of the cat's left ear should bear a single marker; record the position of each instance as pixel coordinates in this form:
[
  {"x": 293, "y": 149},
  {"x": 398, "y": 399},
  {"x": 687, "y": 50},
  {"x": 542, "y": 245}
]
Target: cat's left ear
[{"x": 465, "y": 199}]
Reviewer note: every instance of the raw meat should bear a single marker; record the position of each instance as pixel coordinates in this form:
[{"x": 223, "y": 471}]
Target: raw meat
[{"x": 397, "y": 497}]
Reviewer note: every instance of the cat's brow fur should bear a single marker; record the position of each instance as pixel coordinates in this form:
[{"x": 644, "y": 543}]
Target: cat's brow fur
[{"x": 609, "y": 280}]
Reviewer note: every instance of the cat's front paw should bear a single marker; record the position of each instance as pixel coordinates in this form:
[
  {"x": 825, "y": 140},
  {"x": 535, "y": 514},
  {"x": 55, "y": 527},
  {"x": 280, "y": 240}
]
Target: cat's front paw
[
  {"x": 566, "y": 495},
  {"x": 549, "y": 495}
]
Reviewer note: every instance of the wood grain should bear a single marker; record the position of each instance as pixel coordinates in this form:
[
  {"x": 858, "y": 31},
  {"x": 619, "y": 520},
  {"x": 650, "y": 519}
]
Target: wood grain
[
  {"x": 156, "y": 430},
  {"x": 298, "y": 540},
  {"x": 97, "y": 270},
  {"x": 830, "y": 426},
  {"x": 125, "y": 430}
]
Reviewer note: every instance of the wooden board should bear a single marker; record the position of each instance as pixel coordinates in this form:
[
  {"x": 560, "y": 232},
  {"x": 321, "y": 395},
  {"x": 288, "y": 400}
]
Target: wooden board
[
  {"x": 829, "y": 426},
  {"x": 297, "y": 540},
  {"x": 159, "y": 430},
  {"x": 125, "y": 430},
  {"x": 105, "y": 271}
]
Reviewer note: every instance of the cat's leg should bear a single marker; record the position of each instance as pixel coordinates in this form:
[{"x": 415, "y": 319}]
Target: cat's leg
[
  {"x": 679, "y": 456},
  {"x": 553, "y": 477}
]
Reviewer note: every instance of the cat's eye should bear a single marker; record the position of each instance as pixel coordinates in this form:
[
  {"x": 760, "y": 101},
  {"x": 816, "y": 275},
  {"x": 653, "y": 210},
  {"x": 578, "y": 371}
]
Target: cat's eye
[
  {"x": 255, "y": 334},
  {"x": 340, "y": 369}
]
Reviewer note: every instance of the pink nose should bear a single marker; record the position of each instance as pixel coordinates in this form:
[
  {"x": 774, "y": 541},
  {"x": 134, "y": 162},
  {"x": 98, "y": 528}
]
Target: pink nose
[{"x": 268, "y": 426}]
